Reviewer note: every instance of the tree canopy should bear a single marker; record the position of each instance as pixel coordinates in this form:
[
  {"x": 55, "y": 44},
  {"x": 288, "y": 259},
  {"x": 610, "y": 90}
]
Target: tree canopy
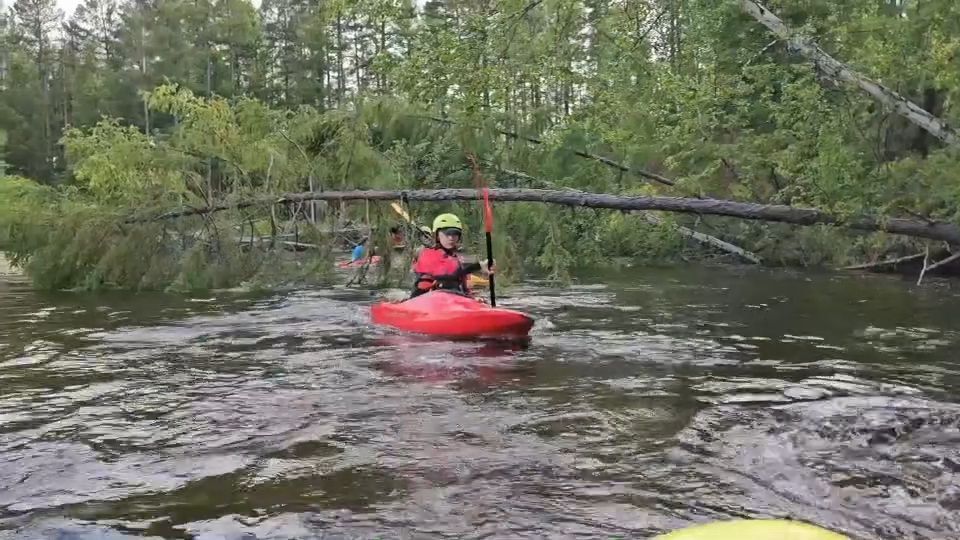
[{"x": 127, "y": 108}]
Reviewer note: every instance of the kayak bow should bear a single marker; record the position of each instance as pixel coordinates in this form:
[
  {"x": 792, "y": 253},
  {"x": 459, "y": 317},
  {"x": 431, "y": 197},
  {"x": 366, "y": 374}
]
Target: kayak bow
[
  {"x": 753, "y": 529},
  {"x": 449, "y": 314}
]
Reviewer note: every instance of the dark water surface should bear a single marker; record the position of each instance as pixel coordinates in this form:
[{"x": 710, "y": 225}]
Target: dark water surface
[{"x": 657, "y": 399}]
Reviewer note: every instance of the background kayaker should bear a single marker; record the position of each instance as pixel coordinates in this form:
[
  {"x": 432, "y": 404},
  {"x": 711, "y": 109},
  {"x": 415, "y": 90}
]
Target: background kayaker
[
  {"x": 358, "y": 250},
  {"x": 441, "y": 266},
  {"x": 397, "y": 238}
]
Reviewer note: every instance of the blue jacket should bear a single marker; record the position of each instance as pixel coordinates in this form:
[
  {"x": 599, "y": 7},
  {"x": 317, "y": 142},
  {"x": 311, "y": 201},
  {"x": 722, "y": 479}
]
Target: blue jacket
[{"x": 357, "y": 253}]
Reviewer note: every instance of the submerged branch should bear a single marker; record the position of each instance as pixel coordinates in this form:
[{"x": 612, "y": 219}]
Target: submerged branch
[
  {"x": 948, "y": 232},
  {"x": 930, "y": 267},
  {"x": 942, "y": 262},
  {"x": 885, "y": 262},
  {"x": 926, "y": 263}
]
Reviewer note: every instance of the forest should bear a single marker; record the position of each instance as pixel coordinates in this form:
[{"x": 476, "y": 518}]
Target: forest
[{"x": 196, "y": 144}]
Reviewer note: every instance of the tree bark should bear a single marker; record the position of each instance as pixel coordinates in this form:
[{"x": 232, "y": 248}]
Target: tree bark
[
  {"x": 341, "y": 83},
  {"x": 948, "y": 232},
  {"x": 143, "y": 73},
  {"x": 357, "y": 64},
  {"x": 841, "y": 72}
]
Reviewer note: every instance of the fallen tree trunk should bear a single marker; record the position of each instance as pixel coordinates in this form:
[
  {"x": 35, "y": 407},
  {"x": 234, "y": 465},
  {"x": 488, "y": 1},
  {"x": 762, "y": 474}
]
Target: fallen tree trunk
[
  {"x": 948, "y": 232},
  {"x": 841, "y": 72}
]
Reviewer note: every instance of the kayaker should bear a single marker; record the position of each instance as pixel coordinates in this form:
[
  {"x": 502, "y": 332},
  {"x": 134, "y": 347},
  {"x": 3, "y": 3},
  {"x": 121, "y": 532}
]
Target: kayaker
[
  {"x": 397, "y": 238},
  {"x": 358, "y": 250},
  {"x": 442, "y": 266}
]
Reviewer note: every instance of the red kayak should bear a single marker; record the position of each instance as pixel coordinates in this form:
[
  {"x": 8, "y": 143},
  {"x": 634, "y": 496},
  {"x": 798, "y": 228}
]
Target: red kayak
[
  {"x": 375, "y": 260},
  {"x": 448, "y": 314}
]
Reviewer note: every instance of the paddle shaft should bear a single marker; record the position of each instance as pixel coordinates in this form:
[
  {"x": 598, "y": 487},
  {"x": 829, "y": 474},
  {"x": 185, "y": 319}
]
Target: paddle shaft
[
  {"x": 493, "y": 293},
  {"x": 487, "y": 222}
]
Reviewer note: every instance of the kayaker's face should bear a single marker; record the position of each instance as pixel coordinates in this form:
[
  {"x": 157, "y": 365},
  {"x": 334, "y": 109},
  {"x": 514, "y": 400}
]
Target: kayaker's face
[{"x": 449, "y": 238}]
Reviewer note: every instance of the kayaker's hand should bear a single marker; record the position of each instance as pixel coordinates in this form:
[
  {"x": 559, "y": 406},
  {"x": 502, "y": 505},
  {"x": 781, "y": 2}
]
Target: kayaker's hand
[{"x": 488, "y": 270}]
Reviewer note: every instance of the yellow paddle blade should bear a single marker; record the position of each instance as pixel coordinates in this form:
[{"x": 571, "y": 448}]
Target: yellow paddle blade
[
  {"x": 477, "y": 281},
  {"x": 753, "y": 529},
  {"x": 399, "y": 209}
]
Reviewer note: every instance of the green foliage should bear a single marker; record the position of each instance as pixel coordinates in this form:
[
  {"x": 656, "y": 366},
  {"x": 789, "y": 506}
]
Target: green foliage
[
  {"x": 65, "y": 238},
  {"x": 3, "y": 144},
  {"x": 118, "y": 164},
  {"x": 620, "y": 236},
  {"x": 149, "y": 106},
  {"x": 555, "y": 258}
]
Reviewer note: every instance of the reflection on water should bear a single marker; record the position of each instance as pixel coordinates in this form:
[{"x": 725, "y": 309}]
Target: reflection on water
[{"x": 643, "y": 403}]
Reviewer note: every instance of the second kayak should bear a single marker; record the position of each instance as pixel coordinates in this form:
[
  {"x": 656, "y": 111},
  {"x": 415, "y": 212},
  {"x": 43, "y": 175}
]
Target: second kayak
[
  {"x": 373, "y": 261},
  {"x": 448, "y": 314}
]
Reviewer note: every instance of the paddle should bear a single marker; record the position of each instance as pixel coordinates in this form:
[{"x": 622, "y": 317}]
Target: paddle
[
  {"x": 403, "y": 213},
  {"x": 487, "y": 223}
]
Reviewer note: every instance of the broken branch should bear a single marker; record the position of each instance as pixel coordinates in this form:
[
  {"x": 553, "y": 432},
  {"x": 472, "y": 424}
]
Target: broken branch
[
  {"x": 936, "y": 265},
  {"x": 841, "y": 72},
  {"x": 926, "y": 260}
]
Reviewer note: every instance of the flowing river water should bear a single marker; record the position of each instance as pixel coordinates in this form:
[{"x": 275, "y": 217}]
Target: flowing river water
[{"x": 646, "y": 401}]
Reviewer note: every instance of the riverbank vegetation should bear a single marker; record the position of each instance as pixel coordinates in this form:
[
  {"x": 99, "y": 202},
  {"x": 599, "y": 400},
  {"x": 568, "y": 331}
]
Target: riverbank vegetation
[{"x": 126, "y": 111}]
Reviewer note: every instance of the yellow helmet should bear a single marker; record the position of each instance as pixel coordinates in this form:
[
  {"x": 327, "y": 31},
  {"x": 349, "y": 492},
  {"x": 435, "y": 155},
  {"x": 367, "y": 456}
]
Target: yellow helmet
[{"x": 444, "y": 221}]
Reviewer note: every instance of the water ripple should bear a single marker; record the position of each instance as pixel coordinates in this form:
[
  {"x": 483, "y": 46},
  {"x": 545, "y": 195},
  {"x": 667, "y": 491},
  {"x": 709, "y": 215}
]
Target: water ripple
[{"x": 638, "y": 408}]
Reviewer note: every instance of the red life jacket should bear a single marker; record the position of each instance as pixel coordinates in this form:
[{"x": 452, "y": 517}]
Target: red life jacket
[{"x": 437, "y": 268}]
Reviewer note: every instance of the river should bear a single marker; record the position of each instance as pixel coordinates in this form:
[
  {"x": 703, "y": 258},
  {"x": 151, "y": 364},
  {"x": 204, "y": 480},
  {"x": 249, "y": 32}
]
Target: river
[{"x": 647, "y": 400}]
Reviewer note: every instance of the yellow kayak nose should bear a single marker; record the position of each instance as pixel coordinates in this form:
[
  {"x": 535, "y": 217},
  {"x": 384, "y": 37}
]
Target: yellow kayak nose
[{"x": 753, "y": 529}]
